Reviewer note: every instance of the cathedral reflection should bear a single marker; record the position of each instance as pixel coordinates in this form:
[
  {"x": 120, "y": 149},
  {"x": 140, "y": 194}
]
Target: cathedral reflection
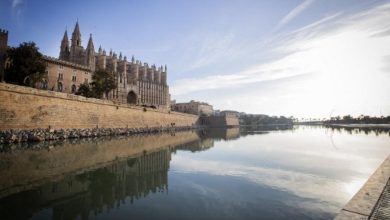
[
  {"x": 90, "y": 191},
  {"x": 94, "y": 191}
]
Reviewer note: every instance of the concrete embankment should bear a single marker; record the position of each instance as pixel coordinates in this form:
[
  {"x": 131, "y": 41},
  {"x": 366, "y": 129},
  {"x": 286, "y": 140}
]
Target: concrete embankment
[{"x": 367, "y": 201}]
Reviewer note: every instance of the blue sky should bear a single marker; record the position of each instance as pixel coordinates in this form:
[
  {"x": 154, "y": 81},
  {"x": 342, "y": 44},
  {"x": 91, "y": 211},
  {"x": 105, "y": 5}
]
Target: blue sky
[{"x": 307, "y": 58}]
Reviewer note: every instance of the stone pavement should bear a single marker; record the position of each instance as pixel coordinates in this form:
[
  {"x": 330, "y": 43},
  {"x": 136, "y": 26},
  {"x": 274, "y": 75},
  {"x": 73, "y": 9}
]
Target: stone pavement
[{"x": 373, "y": 199}]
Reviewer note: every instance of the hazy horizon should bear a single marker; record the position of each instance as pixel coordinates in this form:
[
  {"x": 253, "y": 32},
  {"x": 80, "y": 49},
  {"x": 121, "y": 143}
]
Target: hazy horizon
[{"x": 305, "y": 58}]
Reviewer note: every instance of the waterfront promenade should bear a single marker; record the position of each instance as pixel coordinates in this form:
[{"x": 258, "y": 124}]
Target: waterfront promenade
[{"x": 373, "y": 199}]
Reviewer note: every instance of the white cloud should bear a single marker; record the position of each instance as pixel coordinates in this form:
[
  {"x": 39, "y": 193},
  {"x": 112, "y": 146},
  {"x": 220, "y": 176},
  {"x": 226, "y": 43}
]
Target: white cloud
[
  {"x": 293, "y": 13},
  {"x": 272, "y": 71},
  {"x": 321, "y": 188},
  {"x": 16, "y": 3},
  {"x": 211, "y": 49},
  {"x": 344, "y": 57},
  {"x": 16, "y": 7}
]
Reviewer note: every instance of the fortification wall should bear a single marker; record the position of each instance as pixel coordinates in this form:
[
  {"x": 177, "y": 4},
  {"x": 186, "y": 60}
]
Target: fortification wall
[
  {"x": 220, "y": 121},
  {"x": 232, "y": 120},
  {"x": 28, "y": 108}
]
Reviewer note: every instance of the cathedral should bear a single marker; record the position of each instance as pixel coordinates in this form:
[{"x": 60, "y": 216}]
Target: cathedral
[{"x": 137, "y": 83}]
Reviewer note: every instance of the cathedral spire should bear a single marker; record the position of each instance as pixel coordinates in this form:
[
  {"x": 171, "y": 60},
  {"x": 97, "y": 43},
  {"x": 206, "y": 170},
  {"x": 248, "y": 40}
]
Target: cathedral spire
[
  {"x": 64, "y": 50},
  {"x": 90, "y": 43},
  {"x": 90, "y": 52},
  {"x": 65, "y": 39},
  {"x": 76, "y": 35}
]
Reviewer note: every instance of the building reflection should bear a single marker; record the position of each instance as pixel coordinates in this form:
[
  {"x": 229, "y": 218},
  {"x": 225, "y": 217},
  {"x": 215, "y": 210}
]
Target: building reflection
[
  {"x": 221, "y": 134},
  {"x": 53, "y": 181},
  {"x": 78, "y": 195}
]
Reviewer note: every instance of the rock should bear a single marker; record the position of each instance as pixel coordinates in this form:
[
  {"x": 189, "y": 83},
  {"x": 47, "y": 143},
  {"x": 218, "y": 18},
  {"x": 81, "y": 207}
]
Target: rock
[{"x": 35, "y": 138}]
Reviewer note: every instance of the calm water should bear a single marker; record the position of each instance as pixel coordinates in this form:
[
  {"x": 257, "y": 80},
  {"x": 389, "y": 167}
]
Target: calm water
[{"x": 260, "y": 173}]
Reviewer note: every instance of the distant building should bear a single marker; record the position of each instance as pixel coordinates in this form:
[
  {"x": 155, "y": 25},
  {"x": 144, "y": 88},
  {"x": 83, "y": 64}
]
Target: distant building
[
  {"x": 216, "y": 112},
  {"x": 3, "y": 50},
  {"x": 193, "y": 107}
]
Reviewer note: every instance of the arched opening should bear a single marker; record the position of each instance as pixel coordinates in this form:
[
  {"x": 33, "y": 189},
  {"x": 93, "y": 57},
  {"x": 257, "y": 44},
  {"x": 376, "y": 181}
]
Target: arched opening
[{"x": 132, "y": 98}]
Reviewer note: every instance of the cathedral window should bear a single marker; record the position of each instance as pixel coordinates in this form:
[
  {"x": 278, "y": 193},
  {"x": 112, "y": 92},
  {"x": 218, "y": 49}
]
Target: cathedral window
[
  {"x": 60, "y": 76},
  {"x": 74, "y": 78}
]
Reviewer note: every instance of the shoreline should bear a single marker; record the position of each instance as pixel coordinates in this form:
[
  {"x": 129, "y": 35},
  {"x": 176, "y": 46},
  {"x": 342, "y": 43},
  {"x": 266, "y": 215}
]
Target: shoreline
[
  {"x": 14, "y": 136},
  {"x": 368, "y": 126},
  {"x": 359, "y": 125}
]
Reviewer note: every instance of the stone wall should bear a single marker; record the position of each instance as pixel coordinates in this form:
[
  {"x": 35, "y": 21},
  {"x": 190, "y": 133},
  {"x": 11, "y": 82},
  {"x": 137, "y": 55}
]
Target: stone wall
[
  {"x": 28, "y": 108},
  {"x": 220, "y": 121},
  {"x": 232, "y": 120}
]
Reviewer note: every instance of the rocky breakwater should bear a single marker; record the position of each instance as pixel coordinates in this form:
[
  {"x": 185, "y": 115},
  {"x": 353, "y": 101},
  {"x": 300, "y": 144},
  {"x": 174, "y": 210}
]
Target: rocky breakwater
[{"x": 37, "y": 135}]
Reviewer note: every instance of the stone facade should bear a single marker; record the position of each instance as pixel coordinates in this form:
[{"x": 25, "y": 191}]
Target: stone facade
[
  {"x": 64, "y": 76},
  {"x": 137, "y": 83},
  {"x": 193, "y": 107},
  {"x": 3, "y": 50}
]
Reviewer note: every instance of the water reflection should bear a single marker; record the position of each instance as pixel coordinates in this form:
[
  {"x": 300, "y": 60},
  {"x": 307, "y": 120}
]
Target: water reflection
[
  {"x": 270, "y": 172},
  {"x": 264, "y": 129},
  {"x": 79, "y": 177},
  {"x": 105, "y": 188},
  {"x": 361, "y": 130}
]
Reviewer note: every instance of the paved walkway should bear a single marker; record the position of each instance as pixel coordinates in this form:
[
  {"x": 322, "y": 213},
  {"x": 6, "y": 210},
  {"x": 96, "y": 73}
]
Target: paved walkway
[{"x": 373, "y": 199}]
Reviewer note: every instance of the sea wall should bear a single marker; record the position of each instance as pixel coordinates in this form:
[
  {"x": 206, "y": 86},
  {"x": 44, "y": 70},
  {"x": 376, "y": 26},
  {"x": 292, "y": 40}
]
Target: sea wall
[{"x": 29, "y": 108}]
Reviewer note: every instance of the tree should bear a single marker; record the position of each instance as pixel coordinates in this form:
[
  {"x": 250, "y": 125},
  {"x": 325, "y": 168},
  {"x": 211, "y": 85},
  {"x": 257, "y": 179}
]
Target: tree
[
  {"x": 27, "y": 66},
  {"x": 102, "y": 83},
  {"x": 85, "y": 90}
]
